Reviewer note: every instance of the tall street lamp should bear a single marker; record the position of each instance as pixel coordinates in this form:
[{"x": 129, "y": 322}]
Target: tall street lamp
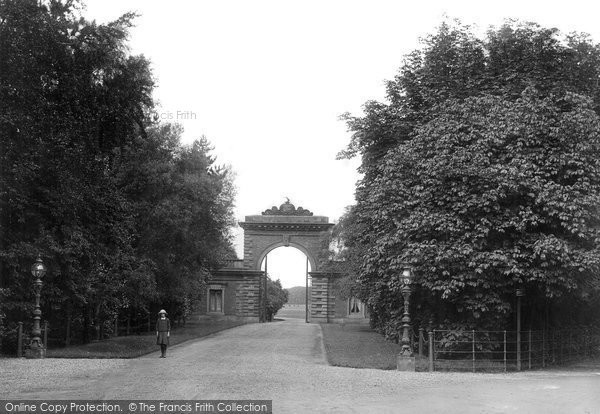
[
  {"x": 406, "y": 361},
  {"x": 520, "y": 294},
  {"x": 36, "y": 348}
]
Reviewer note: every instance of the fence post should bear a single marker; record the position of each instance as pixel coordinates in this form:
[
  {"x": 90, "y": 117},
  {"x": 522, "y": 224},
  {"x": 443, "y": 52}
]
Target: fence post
[
  {"x": 518, "y": 349},
  {"x": 473, "y": 350},
  {"x": 431, "y": 348},
  {"x": 553, "y": 346},
  {"x": 421, "y": 342},
  {"x": 529, "y": 349},
  {"x": 20, "y": 340},
  {"x": 504, "y": 351},
  {"x": 46, "y": 334},
  {"x": 520, "y": 293},
  {"x": 543, "y": 348}
]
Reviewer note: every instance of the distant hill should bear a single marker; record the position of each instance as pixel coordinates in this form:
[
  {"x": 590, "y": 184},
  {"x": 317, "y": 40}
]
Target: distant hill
[{"x": 297, "y": 295}]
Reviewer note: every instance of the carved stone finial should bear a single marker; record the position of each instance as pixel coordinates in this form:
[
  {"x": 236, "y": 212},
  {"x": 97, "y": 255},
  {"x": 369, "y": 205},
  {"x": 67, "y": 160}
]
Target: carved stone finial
[{"x": 287, "y": 209}]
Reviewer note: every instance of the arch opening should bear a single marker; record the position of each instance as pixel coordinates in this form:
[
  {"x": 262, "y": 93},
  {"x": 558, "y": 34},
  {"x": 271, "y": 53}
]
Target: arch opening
[
  {"x": 288, "y": 264},
  {"x": 291, "y": 266},
  {"x": 282, "y": 246}
]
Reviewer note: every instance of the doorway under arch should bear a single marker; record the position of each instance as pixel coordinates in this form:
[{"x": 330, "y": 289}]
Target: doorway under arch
[{"x": 292, "y": 267}]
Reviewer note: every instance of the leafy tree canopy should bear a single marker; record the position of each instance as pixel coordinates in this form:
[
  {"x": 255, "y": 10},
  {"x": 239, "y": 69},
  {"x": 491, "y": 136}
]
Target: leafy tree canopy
[
  {"x": 125, "y": 217},
  {"x": 481, "y": 171}
]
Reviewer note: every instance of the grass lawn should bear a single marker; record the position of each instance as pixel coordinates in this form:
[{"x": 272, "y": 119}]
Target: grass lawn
[
  {"x": 356, "y": 345},
  {"x": 136, "y": 345}
]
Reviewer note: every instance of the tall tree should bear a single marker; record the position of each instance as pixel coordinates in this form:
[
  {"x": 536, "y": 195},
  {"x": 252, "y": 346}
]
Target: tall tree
[
  {"x": 69, "y": 96},
  {"x": 185, "y": 220},
  {"x": 277, "y": 296},
  {"x": 125, "y": 217},
  {"x": 481, "y": 172}
]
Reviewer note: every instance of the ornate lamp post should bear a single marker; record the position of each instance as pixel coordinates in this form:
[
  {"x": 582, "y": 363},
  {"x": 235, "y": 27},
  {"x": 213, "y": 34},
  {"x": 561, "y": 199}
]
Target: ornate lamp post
[
  {"x": 520, "y": 293},
  {"x": 36, "y": 348},
  {"x": 406, "y": 361}
]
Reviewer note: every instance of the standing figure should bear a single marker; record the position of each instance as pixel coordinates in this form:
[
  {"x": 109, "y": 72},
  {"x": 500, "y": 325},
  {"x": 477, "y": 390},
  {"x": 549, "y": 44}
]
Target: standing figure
[{"x": 163, "y": 331}]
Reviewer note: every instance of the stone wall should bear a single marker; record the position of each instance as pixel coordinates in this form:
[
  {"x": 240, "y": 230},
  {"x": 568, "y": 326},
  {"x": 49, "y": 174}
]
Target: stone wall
[
  {"x": 247, "y": 298},
  {"x": 322, "y": 300},
  {"x": 241, "y": 293}
]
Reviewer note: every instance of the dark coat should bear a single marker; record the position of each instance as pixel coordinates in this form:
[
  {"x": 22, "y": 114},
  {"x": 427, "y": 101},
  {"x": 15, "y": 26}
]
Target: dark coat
[{"x": 163, "y": 326}]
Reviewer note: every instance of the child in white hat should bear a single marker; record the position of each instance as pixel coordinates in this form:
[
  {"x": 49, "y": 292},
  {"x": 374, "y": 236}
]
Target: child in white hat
[{"x": 163, "y": 331}]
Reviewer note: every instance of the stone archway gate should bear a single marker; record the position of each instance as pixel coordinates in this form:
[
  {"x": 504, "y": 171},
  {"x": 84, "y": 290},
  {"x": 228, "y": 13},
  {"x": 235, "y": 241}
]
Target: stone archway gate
[{"x": 241, "y": 285}]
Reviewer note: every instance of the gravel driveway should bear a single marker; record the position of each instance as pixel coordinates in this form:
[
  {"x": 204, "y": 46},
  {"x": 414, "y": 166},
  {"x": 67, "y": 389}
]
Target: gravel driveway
[{"x": 285, "y": 362}]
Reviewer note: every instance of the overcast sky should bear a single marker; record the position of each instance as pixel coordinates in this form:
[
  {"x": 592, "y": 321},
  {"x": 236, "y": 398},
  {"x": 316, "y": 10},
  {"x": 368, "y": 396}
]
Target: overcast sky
[{"x": 266, "y": 81}]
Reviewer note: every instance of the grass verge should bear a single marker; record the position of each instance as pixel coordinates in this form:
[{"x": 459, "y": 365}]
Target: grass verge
[
  {"x": 136, "y": 345},
  {"x": 356, "y": 345}
]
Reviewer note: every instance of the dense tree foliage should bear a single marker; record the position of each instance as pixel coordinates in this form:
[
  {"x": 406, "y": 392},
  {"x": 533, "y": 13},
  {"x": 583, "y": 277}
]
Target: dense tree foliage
[
  {"x": 125, "y": 217},
  {"x": 297, "y": 295},
  {"x": 481, "y": 171},
  {"x": 277, "y": 296},
  {"x": 346, "y": 254}
]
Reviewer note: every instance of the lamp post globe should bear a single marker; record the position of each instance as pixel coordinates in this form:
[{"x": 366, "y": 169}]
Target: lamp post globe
[
  {"x": 38, "y": 270},
  {"x": 407, "y": 276}
]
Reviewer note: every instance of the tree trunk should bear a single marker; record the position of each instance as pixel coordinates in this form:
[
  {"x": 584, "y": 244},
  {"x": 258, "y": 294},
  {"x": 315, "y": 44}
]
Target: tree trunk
[
  {"x": 546, "y": 315},
  {"x": 532, "y": 308},
  {"x": 87, "y": 327},
  {"x": 68, "y": 328},
  {"x": 97, "y": 321}
]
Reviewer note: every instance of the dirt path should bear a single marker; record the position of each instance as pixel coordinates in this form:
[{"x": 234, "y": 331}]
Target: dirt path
[{"x": 285, "y": 362}]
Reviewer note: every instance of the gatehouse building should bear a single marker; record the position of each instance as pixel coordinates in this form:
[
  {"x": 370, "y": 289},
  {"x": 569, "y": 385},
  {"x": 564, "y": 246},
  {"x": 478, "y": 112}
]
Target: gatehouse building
[{"x": 237, "y": 291}]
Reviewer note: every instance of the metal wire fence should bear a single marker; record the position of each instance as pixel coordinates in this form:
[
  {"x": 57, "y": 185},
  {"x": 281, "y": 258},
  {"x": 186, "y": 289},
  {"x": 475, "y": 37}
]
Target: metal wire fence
[{"x": 469, "y": 350}]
